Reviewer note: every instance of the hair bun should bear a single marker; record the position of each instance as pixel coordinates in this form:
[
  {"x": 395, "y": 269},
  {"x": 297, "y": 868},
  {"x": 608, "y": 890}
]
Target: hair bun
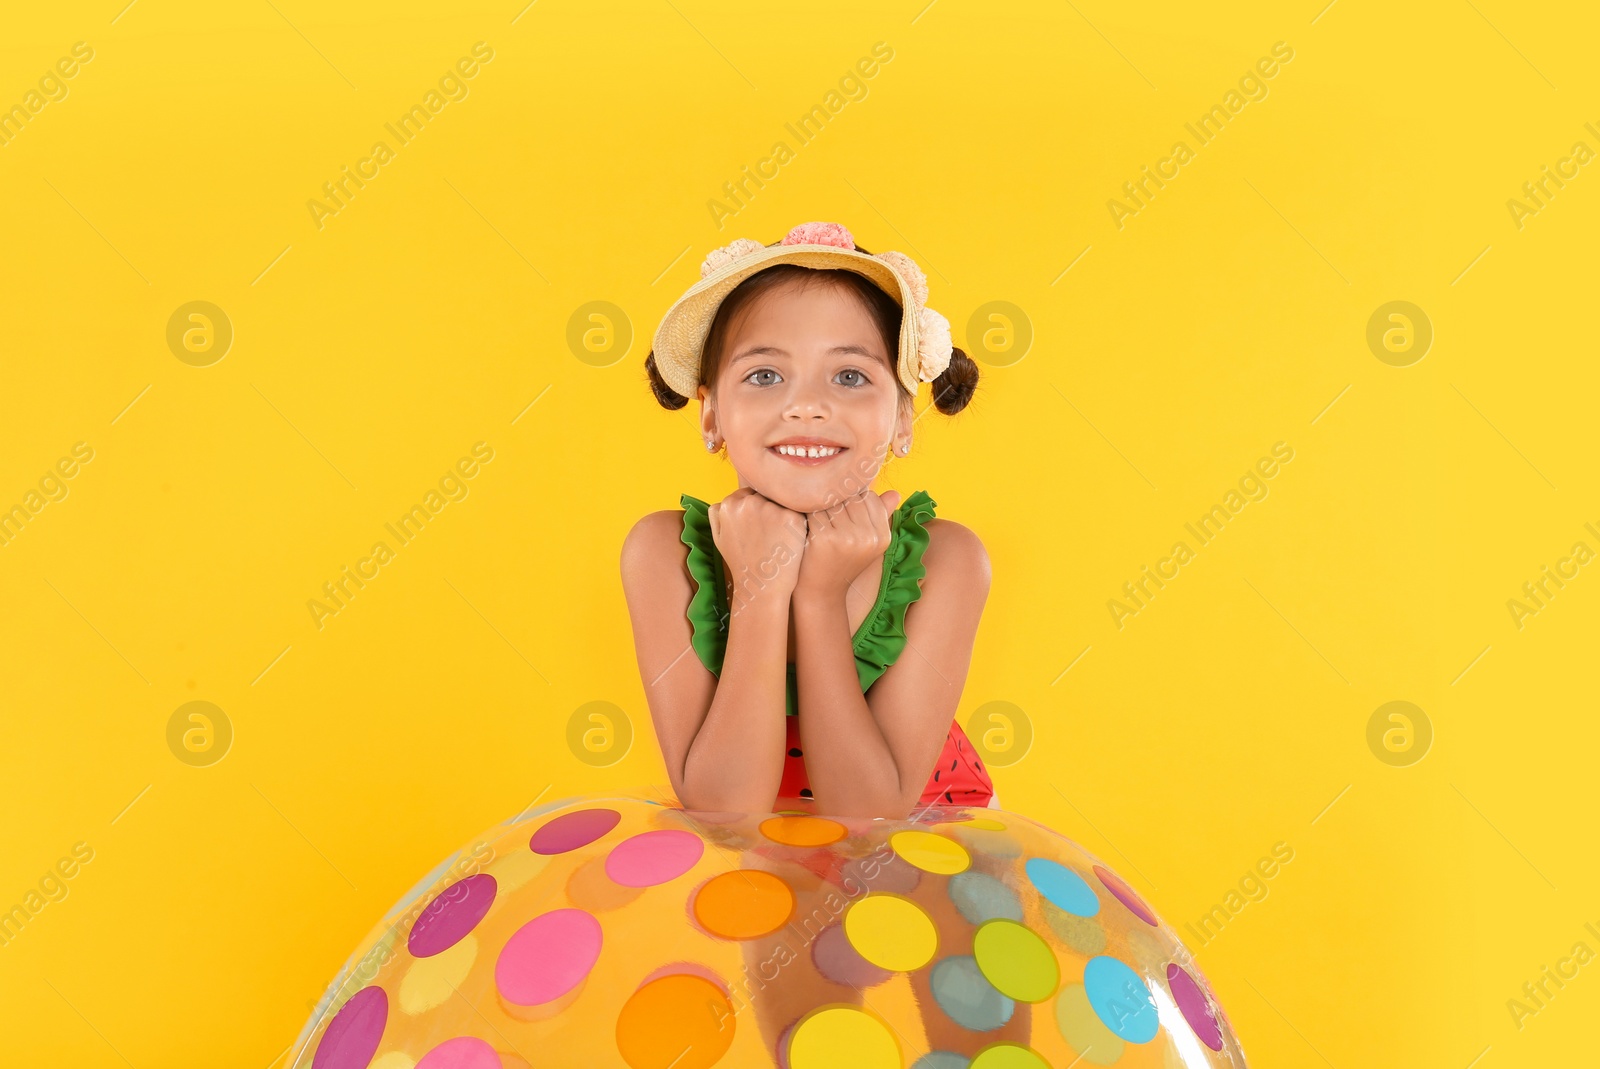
[
  {"x": 955, "y": 386},
  {"x": 666, "y": 396}
]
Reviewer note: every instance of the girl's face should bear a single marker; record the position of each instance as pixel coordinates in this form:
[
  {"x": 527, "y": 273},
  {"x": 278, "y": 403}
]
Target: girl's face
[{"x": 805, "y": 364}]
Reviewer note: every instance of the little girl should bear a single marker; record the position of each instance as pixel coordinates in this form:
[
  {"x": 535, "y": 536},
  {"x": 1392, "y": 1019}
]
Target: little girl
[{"x": 805, "y": 357}]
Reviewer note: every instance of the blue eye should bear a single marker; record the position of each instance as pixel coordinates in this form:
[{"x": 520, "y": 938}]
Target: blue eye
[
  {"x": 858, "y": 373},
  {"x": 761, "y": 371}
]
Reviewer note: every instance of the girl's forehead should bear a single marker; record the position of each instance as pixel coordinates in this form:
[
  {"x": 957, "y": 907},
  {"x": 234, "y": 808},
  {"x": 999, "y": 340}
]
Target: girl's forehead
[{"x": 786, "y": 324}]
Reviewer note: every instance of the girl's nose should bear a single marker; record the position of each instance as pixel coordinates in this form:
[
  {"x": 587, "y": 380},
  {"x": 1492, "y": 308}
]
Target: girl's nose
[{"x": 807, "y": 399}]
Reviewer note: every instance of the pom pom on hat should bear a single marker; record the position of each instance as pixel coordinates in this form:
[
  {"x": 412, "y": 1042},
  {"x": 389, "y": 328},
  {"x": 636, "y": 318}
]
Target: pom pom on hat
[
  {"x": 717, "y": 259},
  {"x": 820, "y": 234},
  {"x": 907, "y": 269},
  {"x": 933, "y": 344}
]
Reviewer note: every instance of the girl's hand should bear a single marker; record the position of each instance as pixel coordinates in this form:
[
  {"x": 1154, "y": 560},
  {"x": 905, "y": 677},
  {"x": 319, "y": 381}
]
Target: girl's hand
[
  {"x": 761, "y": 543},
  {"x": 843, "y": 540}
]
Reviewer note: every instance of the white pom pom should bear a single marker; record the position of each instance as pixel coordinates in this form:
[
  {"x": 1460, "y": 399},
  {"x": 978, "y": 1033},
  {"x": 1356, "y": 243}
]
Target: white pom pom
[{"x": 736, "y": 249}]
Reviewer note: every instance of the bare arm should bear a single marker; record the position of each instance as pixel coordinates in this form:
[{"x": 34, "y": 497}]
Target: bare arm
[
  {"x": 721, "y": 738},
  {"x": 871, "y": 755}
]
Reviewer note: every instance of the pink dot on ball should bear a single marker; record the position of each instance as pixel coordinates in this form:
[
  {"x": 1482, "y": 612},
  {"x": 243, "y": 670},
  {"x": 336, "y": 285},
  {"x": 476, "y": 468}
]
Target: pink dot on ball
[
  {"x": 1195, "y": 1006},
  {"x": 547, "y": 957},
  {"x": 654, "y": 857},
  {"x": 1126, "y": 896},
  {"x": 572, "y": 830},
  {"x": 463, "y": 1052},
  {"x": 449, "y": 917},
  {"x": 352, "y": 1038}
]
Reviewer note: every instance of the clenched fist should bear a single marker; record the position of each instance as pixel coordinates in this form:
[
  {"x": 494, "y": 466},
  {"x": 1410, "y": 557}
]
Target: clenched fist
[
  {"x": 843, "y": 540},
  {"x": 762, "y": 544}
]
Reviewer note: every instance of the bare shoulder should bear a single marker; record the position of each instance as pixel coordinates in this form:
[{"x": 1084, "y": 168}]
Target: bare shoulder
[
  {"x": 956, "y": 555},
  {"x": 654, "y": 547}
]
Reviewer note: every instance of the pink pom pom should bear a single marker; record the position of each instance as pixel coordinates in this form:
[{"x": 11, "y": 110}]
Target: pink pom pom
[{"x": 820, "y": 234}]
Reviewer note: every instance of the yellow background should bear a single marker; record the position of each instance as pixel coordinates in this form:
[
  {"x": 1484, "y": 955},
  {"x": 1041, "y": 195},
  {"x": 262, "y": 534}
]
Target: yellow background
[{"x": 429, "y": 313}]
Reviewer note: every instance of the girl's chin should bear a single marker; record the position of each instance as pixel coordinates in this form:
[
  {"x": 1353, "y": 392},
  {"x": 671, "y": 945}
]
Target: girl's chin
[{"x": 806, "y": 499}]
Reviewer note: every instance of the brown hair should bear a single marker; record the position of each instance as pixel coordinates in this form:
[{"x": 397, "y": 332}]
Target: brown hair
[{"x": 951, "y": 391}]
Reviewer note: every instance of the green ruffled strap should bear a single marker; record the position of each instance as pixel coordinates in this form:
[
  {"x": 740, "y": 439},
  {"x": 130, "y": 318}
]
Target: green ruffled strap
[
  {"x": 706, "y": 617},
  {"x": 882, "y": 637}
]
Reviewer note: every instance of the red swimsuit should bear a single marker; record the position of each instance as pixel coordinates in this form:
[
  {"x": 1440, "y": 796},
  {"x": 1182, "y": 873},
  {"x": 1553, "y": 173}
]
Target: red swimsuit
[{"x": 958, "y": 776}]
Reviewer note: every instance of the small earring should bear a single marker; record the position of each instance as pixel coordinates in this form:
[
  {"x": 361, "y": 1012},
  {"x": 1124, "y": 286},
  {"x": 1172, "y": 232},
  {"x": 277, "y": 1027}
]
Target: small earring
[{"x": 711, "y": 446}]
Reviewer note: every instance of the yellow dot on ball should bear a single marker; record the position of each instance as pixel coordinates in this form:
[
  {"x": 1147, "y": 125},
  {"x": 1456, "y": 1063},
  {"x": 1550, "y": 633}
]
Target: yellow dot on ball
[
  {"x": 1015, "y": 960},
  {"x": 1008, "y": 1056},
  {"x": 430, "y": 981},
  {"x": 891, "y": 932},
  {"x": 931, "y": 852},
  {"x": 843, "y": 1035}
]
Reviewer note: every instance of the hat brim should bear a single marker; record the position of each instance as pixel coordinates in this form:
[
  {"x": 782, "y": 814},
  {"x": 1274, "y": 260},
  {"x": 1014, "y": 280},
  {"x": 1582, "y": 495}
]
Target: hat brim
[{"x": 681, "y": 336}]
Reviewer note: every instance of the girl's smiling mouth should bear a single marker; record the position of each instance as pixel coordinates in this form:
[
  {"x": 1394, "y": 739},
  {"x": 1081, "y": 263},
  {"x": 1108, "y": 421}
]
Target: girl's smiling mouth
[{"x": 811, "y": 452}]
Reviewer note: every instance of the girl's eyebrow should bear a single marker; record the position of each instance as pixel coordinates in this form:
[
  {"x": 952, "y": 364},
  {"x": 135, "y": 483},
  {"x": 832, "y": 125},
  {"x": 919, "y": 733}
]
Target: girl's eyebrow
[{"x": 773, "y": 350}]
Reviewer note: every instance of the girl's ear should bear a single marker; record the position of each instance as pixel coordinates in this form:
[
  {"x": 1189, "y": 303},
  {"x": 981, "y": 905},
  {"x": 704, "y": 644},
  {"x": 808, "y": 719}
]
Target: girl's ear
[{"x": 708, "y": 414}]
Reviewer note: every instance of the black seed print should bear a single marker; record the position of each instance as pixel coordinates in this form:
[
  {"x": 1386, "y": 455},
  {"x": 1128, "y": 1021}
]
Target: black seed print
[
  {"x": 805, "y": 792},
  {"x": 794, "y": 751},
  {"x": 936, "y": 775},
  {"x": 952, "y": 766},
  {"x": 947, "y": 797}
]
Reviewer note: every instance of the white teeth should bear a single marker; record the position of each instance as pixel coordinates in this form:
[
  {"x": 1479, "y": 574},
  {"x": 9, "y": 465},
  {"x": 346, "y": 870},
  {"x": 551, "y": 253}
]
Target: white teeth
[{"x": 807, "y": 451}]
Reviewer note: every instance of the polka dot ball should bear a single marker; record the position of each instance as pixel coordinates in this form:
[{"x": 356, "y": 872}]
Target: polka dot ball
[{"x": 621, "y": 930}]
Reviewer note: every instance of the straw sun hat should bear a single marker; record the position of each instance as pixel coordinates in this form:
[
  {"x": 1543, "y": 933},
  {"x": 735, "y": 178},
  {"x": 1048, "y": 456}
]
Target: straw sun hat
[{"x": 924, "y": 334}]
